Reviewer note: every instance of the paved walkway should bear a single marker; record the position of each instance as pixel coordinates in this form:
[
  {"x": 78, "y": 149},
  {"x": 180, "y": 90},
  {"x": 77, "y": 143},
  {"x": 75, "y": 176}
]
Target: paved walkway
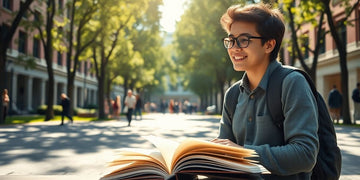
[{"x": 80, "y": 151}]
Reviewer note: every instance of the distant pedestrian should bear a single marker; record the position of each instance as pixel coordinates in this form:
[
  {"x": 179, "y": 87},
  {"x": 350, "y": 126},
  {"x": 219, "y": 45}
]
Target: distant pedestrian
[
  {"x": 171, "y": 106},
  {"x": 138, "y": 107},
  {"x": 335, "y": 102},
  {"x": 356, "y": 98},
  {"x": 116, "y": 107},
  {"x": 130, "y": 102},
  {"x": 6, "y": 101},
  {"x": 163, "y": 106},
  {"x": 188, "y": 108},
  {"x": 65, "y": 103}
]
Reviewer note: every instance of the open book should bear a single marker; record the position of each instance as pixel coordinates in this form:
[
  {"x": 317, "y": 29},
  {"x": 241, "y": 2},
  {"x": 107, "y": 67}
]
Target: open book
[{"x": 189, "y": 156}]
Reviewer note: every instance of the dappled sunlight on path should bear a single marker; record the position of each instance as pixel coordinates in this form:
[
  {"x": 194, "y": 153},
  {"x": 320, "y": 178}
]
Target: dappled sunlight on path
[{"x": 84, "y": 148}]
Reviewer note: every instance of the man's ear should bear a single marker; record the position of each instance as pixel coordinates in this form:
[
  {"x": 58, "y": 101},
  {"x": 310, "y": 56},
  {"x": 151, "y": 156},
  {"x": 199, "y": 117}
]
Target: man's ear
[{"x": 270, "y": 45}]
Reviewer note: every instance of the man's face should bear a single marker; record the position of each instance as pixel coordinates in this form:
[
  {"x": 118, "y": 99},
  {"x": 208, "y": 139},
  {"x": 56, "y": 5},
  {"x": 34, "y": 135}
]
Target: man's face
[{"x": 253, "y": 56}]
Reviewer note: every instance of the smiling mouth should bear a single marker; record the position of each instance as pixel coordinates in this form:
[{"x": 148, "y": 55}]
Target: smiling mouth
[{"x": 239, "y": 58}]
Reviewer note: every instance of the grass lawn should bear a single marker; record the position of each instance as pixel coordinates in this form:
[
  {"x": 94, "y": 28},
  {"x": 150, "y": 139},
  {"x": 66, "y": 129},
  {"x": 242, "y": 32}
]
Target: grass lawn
[{"x": 40, "y": 118}]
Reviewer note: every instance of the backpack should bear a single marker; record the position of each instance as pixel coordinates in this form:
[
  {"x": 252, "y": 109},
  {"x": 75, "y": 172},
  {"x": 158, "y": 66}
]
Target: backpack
[{"x": 328, "y": 164}]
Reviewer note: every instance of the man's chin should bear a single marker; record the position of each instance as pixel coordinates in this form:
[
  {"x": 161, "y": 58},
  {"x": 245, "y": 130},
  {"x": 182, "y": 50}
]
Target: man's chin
[{"x": 238, "y": 68}]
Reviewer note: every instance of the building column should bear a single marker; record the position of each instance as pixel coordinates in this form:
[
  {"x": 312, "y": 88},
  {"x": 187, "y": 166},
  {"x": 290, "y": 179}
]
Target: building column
[
  {"x": 96, "y": 97},
  {"x": 29, "y": 92},
  {"x": 81, "y": 97},
  {"x": 42, "y": 91},
  {"x": 75, "y": 95},
  {"x": 14, "y": 92},
  {"x": 93, "y": 99},
  {"x": 55, "y": 93}
]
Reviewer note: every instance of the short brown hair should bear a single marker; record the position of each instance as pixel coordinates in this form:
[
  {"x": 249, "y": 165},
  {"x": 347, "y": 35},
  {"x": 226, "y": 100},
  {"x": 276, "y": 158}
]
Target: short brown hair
[{"x": 269, "y": 22}]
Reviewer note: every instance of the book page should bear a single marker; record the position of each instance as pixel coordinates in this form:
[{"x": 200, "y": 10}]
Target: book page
[
  {"x": 166, "y": 147},
  {"x": 137, "y": 169},
  {"x": 154, "y": 154},
  {"x": 190, "y": 153},
  {"x": 190, "y": 145},
  {"x": 172, "y": 151},
  {"x": 215, "y": 163},
  {"x": 144, "y": 156}
]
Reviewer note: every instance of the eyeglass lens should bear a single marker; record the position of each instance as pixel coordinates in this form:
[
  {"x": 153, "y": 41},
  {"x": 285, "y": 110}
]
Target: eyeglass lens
[{"x": 241, "y": 42}]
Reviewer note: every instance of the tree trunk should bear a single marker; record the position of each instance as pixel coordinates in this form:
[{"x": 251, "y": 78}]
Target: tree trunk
[
  {"x": 108, "y": 96},
  {"x": 48, "y": 46},
  {"x": 50, "y": 89},
  {"x": 5, "y": 40},
  {"x": 345, "y": 88},
  {"x": 71, "y": 74},
  {"x": 343, "y": 64},
  {"x": 2, "y": 82},
  {"x": 70, "y": 92},
  {"x": 101, "y": 90}
]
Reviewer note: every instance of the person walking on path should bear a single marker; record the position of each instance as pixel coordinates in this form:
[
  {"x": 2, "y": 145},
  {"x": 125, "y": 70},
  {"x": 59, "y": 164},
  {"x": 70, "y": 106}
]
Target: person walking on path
[
  {"x": 356, "y": 98},
  {"x": 130, "y": 102},
  {"x": 335, "y": 102},
  {"x": 163, "y": 106},
  {"x": 254, "y": 36},
  {"x": 6, "y": 101},
  {"x": 138, "y": 107},
  {"x": 65, "y": 103}
]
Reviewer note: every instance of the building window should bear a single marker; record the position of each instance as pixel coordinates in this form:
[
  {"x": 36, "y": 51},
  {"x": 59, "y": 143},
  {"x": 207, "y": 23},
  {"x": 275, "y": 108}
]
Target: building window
[
  {"x": 25, "y": 13},
  {"x": 68, "y": 11},
  {"x": 67, "y": 60},
  {"x": 305, "y": 43},
  {"x": 37, "y": 16},
  {"x": 60, "y": 5},
  {"x": 322, "y": 44},
  {"x": 342, "y": 31},
  {"x": 59, "y": 58},
  {"x": 86, "y": 63},
  {"x": 78, "y": 68},
  {"x": 90, "y": 68},
  {"x": 36, "y": 48},
  {"x": 4, "y": 30},
  {"x": 7, "y": 4},
  {"x": 22, "y": 42}
]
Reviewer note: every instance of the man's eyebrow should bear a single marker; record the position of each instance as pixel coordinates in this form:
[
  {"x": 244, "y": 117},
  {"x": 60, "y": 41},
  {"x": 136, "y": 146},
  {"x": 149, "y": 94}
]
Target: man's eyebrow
[{"x": 243, "y": 34}]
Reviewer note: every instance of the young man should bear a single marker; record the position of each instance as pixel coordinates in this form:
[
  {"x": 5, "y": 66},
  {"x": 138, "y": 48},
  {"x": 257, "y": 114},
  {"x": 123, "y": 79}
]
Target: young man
[
  {"x": 255, "y": 33},
  {"x": 335, "y": 102},
  {"x": 130, "y": 102},
  {"x": 65, "y": 103}
]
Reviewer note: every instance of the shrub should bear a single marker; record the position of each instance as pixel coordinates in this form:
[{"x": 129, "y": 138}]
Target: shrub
[
  {"x": 58, "y": 109},
  {"x": 85, "y": 112},
  {"x": 42, "y": 109},
  {"x": 91, "y": 106}
]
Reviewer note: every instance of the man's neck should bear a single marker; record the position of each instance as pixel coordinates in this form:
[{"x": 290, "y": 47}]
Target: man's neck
[{"x": 256, "y": 75}]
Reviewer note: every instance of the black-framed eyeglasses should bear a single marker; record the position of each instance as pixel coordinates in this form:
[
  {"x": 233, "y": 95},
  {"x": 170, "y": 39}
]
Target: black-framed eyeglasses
[{"x": 242, "y": 41}]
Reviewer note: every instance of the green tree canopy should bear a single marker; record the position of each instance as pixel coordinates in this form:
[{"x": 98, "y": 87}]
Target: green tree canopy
[{"x": 199, "y": 46}]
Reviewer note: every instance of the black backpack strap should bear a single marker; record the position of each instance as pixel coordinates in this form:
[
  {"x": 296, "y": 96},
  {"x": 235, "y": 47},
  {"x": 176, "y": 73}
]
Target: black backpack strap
[
  {"x": 273, "y": 94},
  {"x": 231, "y": 99},
  {"x": 274, "y": 91}
]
